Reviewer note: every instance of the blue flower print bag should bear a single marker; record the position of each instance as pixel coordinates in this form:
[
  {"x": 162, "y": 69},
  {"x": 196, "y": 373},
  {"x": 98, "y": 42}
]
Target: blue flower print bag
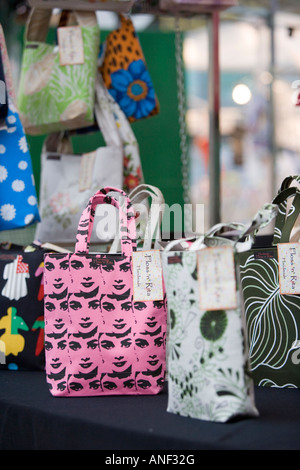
[
  {"x": 18, "y": 200},
  {"x": 125, "y": 73}
]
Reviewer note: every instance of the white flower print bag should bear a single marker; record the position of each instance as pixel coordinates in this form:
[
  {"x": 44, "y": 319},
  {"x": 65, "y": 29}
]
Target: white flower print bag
[
  {"x": 68, "y": 180},
  {"x": 208, "y": 359}
]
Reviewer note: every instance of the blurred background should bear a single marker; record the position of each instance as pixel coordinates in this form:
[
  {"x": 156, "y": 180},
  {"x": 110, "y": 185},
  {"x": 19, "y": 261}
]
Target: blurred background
[{"x": 259, "y": 60}]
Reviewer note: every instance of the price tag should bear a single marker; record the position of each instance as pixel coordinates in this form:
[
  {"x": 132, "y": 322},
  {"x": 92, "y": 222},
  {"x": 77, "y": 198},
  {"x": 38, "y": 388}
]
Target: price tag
[
  {"x": 147, "y": 276},
  {"x": 70, "y": 45},
  {"x": 289, "y": 267},
  {"x": 217, "y": 282}
]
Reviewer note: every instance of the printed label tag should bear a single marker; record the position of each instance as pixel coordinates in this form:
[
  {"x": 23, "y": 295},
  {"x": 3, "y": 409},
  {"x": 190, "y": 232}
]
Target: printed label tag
[
  {"x": 217, "y": 283},
  {"x": 289, "y": 268},
  {"x": 147, "y": 276},
  {"x": 86, "y": 171},
  {"x": 70, "y": 44}
]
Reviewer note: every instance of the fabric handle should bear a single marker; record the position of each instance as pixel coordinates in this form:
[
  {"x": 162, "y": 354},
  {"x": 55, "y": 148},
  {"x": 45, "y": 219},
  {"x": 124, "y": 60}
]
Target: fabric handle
[
  {"x": 285, "y": 222},
  {"x": 152, "y": 222},
  {"x": 39, "y": 20},
  {"x": 126, "y": 221},
  {"x": 242, "y": 237}
]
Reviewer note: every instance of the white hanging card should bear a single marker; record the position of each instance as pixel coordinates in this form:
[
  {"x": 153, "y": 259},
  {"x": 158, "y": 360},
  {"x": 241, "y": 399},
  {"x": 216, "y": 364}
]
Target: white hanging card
[
  {"x": 70, "y": 44},
  {"x": 289, "y": 267},
  {"x": 217, "y": 282},
  {"x": 147, "y": 276}
]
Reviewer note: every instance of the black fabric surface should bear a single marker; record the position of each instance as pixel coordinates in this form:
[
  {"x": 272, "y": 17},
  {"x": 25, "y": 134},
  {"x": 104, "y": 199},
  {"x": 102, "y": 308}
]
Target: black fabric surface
[{"x": 31, "y": 419}]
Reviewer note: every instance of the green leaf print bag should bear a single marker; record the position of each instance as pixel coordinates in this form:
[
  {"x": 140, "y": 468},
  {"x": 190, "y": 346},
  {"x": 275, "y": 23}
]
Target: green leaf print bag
[
  {"x": 57, "y": 81},
  {"x": 270, "y": 284},
  {"x": 207, "y": 349}
]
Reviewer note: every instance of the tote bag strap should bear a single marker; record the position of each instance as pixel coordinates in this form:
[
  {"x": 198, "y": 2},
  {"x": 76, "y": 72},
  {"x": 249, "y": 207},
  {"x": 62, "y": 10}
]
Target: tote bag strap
[
  {"x": 239, "y": 236},
  {"x": 7, "y": 69},
  {"x": 285, "y": 192},
  {"x": 37, "y": 26},
  {"x": 105, "y": 116},
  {"x": 285, "y": 222},
  {"x": 148, "y": 220},
  {"x": 126, "y": 224},
  {"x": 125, "y": 131}
]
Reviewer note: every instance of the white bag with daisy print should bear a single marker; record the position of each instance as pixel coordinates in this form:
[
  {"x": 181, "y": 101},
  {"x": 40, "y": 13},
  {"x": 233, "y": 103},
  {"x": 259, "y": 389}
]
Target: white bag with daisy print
[{"x": 18, "y": 199}]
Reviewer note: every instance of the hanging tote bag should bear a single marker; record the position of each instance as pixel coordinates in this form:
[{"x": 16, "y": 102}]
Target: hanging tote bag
[
  {"x": 57, "y": 82},
  {"x": 69, "y": 180},
  {"x": 22, "y": 307},
  {"x": 208, "y": 362},
  {"x": 102, "y": 336},
  {"x": 125, "y": 73},
  {"x": 269, "y": 280},
  {"x": 18, "y": 199}
]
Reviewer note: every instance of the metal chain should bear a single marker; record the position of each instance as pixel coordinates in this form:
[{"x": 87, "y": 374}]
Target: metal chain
[
  {"x": 184, "y": 148},
  {"x": 182, "y": 110}
]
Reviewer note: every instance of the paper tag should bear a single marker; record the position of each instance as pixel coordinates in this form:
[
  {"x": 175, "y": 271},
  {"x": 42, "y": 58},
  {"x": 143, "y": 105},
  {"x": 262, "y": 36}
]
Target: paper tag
[
  {"x": 289, "y": 267},
  {"x": 70, "y": 44},
  {"x": 86, "y": 170},
  {"x": 147, "y": 276},
  {"x": 217, "y": 282}
]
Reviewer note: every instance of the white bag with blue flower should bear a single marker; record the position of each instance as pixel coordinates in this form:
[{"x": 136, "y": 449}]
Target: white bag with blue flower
[{"x": 18, "y": 199}]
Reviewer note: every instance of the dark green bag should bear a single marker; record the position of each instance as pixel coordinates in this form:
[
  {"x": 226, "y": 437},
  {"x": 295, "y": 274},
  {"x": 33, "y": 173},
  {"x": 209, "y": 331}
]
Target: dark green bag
[{"x": 273, "y": 319}]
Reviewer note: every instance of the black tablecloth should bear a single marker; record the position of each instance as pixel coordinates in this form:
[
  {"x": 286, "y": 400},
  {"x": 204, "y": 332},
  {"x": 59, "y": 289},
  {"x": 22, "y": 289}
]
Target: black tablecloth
[{"x": 30, "y": 418}]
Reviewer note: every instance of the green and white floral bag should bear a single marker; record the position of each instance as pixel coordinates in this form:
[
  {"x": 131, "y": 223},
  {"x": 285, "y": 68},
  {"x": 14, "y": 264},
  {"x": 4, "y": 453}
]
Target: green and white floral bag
[
  {"x": 57, "y": 82},
  {"x": 208, "y": 366},
  {"x": 270, "y": 280}
]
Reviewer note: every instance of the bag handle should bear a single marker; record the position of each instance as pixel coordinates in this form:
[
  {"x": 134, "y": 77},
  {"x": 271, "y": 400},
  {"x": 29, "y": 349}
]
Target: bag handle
[
  {"x": 39, "y": 20},
  {"x": 11, "y": 95},
  {"x": 84, "y": 5},
  {"x": 126, "y": 221},
  {"x": 285, "y": 222},
  {"x": 242, "y": 237},
  {"x": 152, "y": 222},
  {"x": 282, "y": 214},
  {"x": 124, "y": 129},
  {"x": 152, "y": 225}
]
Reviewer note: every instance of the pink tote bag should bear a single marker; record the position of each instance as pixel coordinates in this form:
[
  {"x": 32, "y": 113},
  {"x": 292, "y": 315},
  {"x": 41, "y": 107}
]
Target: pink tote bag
[{"x": 98, "y": 339}]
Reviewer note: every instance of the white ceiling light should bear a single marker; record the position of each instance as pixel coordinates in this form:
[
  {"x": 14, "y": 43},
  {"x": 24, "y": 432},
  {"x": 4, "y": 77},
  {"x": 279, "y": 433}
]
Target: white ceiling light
[{"x": 241, "y": 94}]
